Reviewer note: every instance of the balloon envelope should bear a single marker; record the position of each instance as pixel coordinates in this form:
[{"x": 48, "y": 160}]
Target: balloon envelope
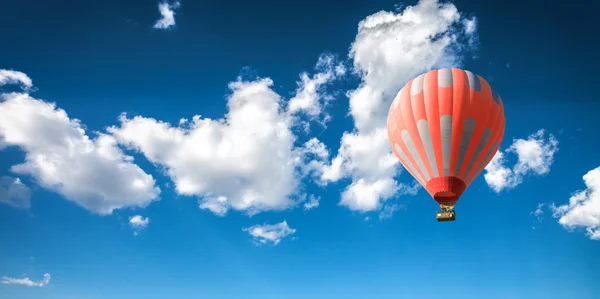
[{"x": 445, "y": 126}]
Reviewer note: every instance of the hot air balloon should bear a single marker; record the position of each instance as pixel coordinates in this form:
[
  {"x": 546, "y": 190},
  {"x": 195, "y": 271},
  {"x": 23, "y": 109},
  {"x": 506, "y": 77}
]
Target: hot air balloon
[{"x": 445, "y": 126}]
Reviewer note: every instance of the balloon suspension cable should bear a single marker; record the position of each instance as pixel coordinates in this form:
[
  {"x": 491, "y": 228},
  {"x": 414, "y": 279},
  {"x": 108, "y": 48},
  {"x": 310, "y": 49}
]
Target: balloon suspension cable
[{"x": 447, "y": 206}]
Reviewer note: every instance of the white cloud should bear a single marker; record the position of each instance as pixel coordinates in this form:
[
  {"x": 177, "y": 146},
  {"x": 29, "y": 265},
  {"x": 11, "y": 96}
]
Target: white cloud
[
  {"x": 216, "y": 204},
  {"x": 250, "y": 164},
  {"x": 15, "y": 77},
  {"x": 390, "y": 49},
  {"x": 138, "y": 222},
  {"x": 367, "y": 159},
  {"x": 363, "y": 196},
  {"x": 470, "y": 25},
  {"x": 583, "y": 209},
  {"x": 246, "y": 161},
  {"x": 167, "y": 12},
  {"x": 470, "y": 28},
  {"x": 93, "y": 172},
  {"x": 538, "y": 210},
  {"x": 388, "y": 211},
  {"x": 315, "y": 147},
  {"x": 26, "y": 281},
  {"x": 315, "y": 154},
  {"x": 538, "y": 213},
  {"x": 313, "y": 202},
  {"x": 535, "y": 156},
  {"x": 270, "y": 232},
  {"x": 14, "y": 193},
  {"x": 310, "y": 97}
]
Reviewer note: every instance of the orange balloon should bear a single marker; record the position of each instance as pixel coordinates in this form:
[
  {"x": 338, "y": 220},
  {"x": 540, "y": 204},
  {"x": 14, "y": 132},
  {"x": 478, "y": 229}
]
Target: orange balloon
[{"x": 445, "y": 126}]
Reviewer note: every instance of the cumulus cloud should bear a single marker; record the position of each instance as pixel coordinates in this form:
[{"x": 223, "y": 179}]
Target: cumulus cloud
[
  {"x": 246, "y": 161},
  {"x": 389, "y": 49},
  {"x": 310, "y": 98},
  {"x": 583, "y": 209},
  {"x": 26, "y": 281},
  {"x": 270, "y": 233},
  {"x": 139, "y": 222},
  {"x": 60, "y": 156},
  {"x": 315, "y": 158},
  {"x": 216, "y": 204},
  {"x": 14, "y": 193},
  {"x": 249, "y": 163},
  {"x": 167, "y": 13},
  {"x": 535, "y": 155},
  {"x": 362, "y": 196}
]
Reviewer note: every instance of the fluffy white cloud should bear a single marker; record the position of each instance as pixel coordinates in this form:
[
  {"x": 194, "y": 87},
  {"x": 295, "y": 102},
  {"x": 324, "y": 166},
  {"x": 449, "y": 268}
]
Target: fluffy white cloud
[
  {"x": 390, "y": 49},
  {"x": 315, "y": 147},
  {"x": 167, "y": 13},
  {"x": 14, "y": 193},
  {"x": 362, "y": 196},
  {"x": 26, "y": 281},
  {"x": 216, "y": 204},
  {"x": 535, "y": 156},
  {"x": 15, "y": 77},
  {"x": 310, "y": 97},
  {"x": 270, "y": 232},
  {"x": 93, "y": 172},
  {"x": 583, "y": 209},
  {"x": 139, "y": 222},
  {"x": 245, "y": 161},
  {"x": 250, "y": 163}
]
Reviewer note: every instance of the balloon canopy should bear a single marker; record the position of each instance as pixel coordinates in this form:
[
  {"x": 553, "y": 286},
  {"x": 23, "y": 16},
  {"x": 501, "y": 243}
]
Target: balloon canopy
[{"x": 445, "y": 126}]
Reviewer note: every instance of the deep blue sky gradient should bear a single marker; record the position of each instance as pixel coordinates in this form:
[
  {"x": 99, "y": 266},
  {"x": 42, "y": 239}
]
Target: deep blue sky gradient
[{"x": 97, "y": 59}]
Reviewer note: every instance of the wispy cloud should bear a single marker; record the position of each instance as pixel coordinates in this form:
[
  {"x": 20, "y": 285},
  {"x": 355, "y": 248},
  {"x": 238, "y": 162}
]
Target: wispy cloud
[
  {"x": 26, "y": 281},
  {"x": 538, "y": 213},
  {"x": 312, "y": 203},
  {"x": 14, "y": 193},
  {"x": 388, "y": 211},
  {"x": 310, "y": 97},
  {"x": 15, "y": 77}
]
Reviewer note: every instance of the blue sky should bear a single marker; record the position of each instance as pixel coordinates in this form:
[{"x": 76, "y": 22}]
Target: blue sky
[{"x": 237, "y": 150}]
